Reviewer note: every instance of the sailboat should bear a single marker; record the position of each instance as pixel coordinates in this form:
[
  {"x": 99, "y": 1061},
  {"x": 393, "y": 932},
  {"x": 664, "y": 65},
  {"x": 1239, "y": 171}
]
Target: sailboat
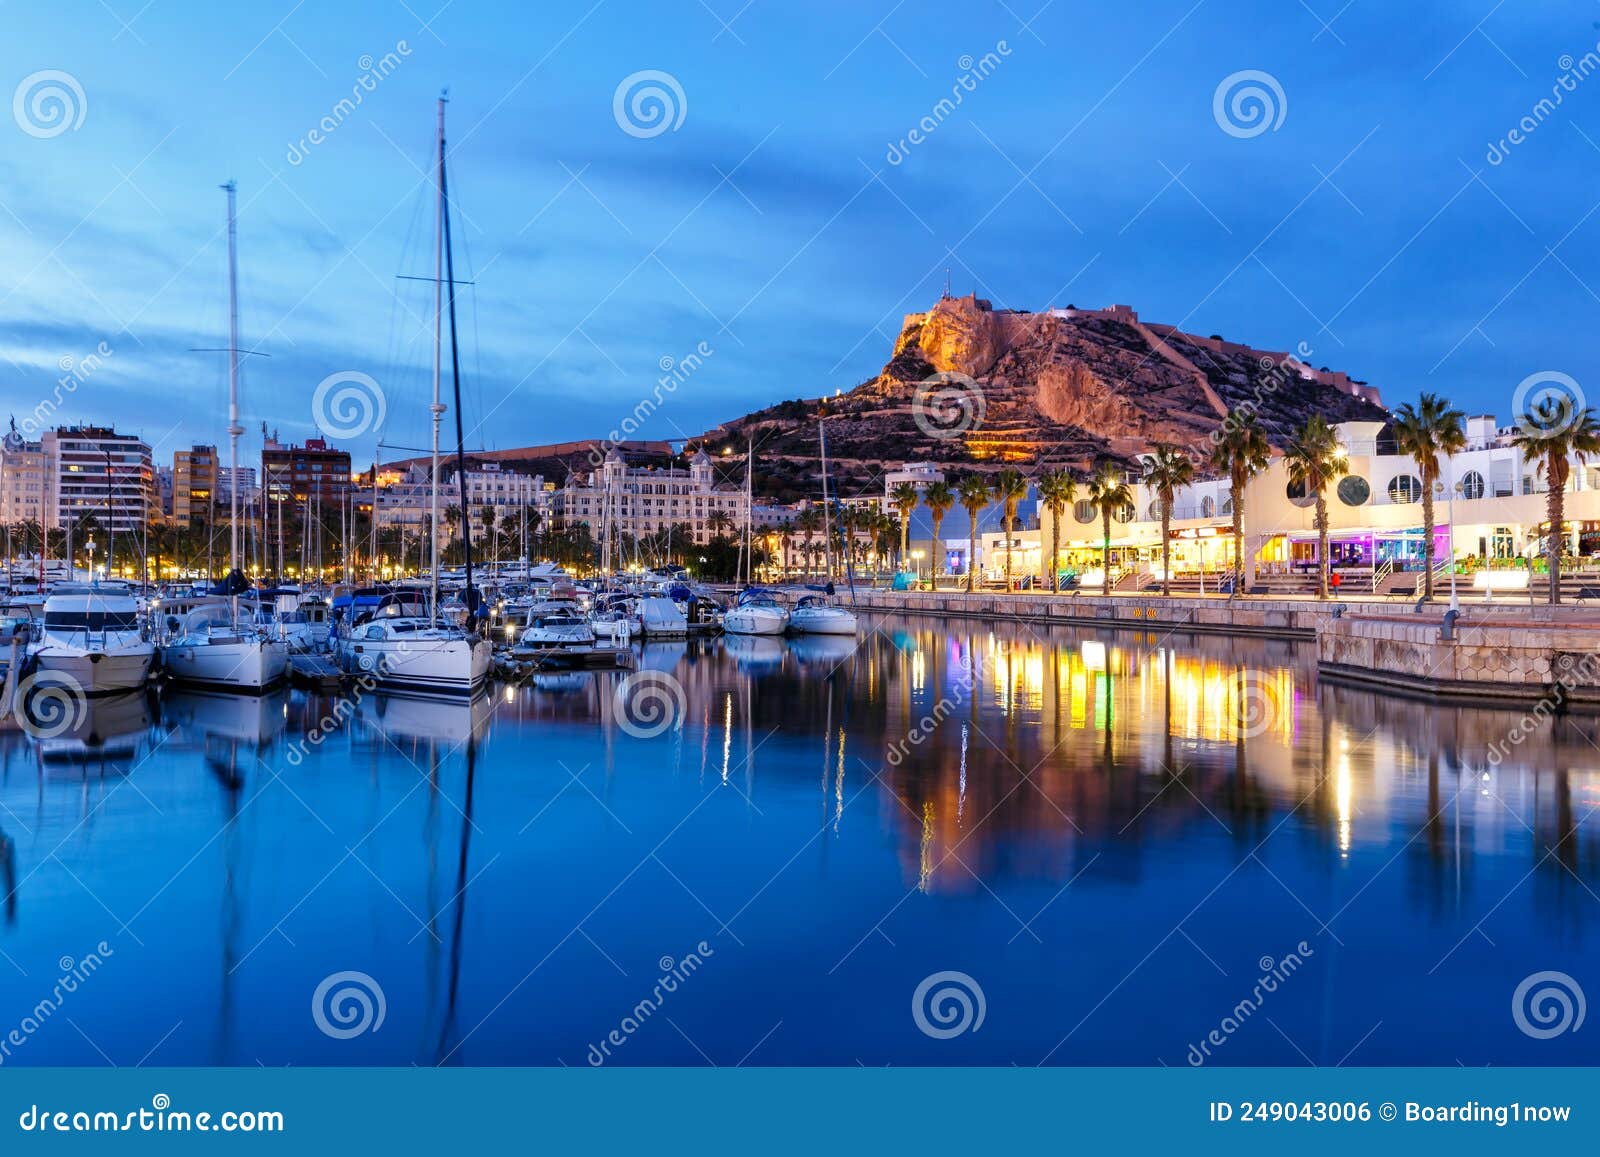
[
  {"x": 425, "y": 653},
  {"x": 817, "y": 614},
  {"x": 212, "y": 646}
]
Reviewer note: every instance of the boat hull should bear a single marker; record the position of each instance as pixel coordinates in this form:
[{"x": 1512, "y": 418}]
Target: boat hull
[
  {"x": 99, "y": 672},
  {"x": 753, "y": 621},
  {"x": 250, "y": 666},
  {"x": 833, "y": 621}
]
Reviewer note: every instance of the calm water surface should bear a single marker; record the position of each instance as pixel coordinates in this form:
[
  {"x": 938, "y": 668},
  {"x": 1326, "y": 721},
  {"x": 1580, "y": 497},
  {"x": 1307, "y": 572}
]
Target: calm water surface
[{"x": 1112, "y": 836}]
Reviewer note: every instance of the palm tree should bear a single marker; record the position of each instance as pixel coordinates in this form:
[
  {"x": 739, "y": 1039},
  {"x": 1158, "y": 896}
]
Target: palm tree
[
  {"x": 1315, "y": 460},
  {"x": 974, "y": 494},
  {"x": 938, "y": 498},
  {"x": 1057, "y": 491},
  {"x": 904, "y": 499},
  {"x": 1010, "y": 487},
  {"x": 1166, "y": 470},
  {"x": 1425, "y": 431},
  {"x": 1241, "y": 451},
  {"x": 786, "y": 540},
  {"x": 1109, "y": 494},
  {"x": 1552, "y": 433},
  {"x": 809, "y": 521}
]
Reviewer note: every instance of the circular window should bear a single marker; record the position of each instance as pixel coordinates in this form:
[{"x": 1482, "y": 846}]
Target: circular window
[
  {"x": 1227, "y": 505},
  {"x": 1208, "y": 507},
  {"x": 1354, "y": 490},
  {"x": 1472, "y": 484},
  {"x": 1154, "y": 513},
  {"x": 1124, "y": 513},
  {"x": 1296, "y": 492},
  {"x": 1083, "y": 510},
  {"x": 1405, "y": 488}
]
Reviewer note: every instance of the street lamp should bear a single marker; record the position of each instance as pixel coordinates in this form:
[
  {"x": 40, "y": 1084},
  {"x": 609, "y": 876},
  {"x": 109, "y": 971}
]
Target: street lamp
[{"x": 1450, "y": 523}]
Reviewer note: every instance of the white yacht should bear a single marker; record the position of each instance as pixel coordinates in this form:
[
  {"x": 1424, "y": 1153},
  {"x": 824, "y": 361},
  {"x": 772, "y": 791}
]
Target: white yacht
[
  {"x": 91, "y": 635},
  {"x": 542, "y": 625},
  {"x": 814, "y": 615},
  {"x": 615, "y": 617},
  {"x": 215, "y": 648},
  {"x": 409, "y": 653},
  {"x": 757, "y": 613}
]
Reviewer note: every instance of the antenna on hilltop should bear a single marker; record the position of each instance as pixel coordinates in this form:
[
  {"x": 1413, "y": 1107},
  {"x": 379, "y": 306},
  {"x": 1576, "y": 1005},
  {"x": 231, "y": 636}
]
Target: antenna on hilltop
[{"x": 947, "y": 281}]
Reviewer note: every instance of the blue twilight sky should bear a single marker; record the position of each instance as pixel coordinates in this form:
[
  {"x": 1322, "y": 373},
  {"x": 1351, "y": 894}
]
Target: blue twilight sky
[{"x": 1089, "y": 166}]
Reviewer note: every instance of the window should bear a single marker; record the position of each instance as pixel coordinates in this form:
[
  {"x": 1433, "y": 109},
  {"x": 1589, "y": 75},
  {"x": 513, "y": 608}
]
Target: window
[
  {"x": 1472, "y": 484},
  {"x": 1296, "y": 493},
  {"x": 1208, "y": 507},
  {"x": 1124, "y": 513},
  {"x": 1354, "y": 490},
  {"x": 1083, "y": 510},
  {"x": 1405, "y": 488}
]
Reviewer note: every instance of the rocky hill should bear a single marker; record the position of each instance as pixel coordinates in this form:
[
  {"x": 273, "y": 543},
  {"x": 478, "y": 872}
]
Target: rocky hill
[{"x": 972, "y": 386}]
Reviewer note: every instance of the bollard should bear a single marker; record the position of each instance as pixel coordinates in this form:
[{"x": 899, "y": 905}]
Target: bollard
[{"x": 1447, "y": 629}]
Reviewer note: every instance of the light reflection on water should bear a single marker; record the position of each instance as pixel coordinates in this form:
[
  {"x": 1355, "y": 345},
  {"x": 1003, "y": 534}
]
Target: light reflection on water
[{"x": 1109, "y": 833}]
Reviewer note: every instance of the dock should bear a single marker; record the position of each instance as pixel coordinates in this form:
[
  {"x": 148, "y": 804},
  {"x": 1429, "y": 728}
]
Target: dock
[{"x": 314, "y": 672}]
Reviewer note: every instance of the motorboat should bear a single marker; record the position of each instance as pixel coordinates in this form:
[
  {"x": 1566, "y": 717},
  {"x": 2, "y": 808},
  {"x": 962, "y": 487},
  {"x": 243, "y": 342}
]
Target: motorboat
[
  {"x": 549, "y": 624},
  {"x": 814, "y": 615},
  {"x": 414, "y": 653},
  {"x": 614, "y": 617},
  {"x": 91, "y": 636},
  {"x": 758, "y": 612},
  {"x": 215, "y": 648}
]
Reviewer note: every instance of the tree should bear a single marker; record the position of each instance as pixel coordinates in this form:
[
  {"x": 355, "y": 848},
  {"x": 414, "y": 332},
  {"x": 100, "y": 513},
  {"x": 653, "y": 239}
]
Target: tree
[
  {"x": 904, "y": 498},
  {"x": 974, "y": 494},
  {"x": 1109, "y": 494},
  {"x": 809, "y": 522},
  {"x": 1315, "y": 460},
  {"x": 1166, "y": 470},
  {"x": 1424, "y": 431},
  {"x": 938, "y": 498},
  {"x": 1240, "y": 452},
  {"x": 786, "y": 540},
  {"x": 1552, "y": 433},
  {"x": 1010, "y": 487},
  {"x": 1057, "y": 491}
]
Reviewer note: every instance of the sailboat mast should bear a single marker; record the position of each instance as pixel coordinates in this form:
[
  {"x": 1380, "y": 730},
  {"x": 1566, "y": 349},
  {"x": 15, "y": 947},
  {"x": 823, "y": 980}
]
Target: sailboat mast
[
  {"x": 827, "y": 532},
  {"x": 234, "y": 429},
  {"x": 455, "y": 372},
  {"x": 437, "y": 409}
]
